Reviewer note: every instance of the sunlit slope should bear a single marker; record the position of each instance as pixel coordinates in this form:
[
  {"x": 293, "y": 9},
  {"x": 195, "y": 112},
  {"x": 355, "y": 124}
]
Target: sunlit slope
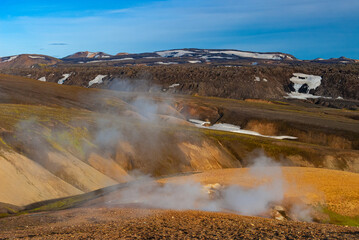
[
  {"x": 59, "y": 141},
  {"x": 23, "y": 181},
  {"x": 338, "y": 190}
]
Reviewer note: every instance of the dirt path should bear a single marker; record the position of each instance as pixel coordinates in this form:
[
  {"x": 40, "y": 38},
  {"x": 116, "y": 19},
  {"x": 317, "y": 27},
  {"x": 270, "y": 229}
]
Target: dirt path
[{"x": 137, "y": 223}]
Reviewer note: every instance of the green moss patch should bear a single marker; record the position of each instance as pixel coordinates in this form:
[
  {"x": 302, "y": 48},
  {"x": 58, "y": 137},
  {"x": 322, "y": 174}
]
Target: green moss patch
[{"x": 338, "y": 219}]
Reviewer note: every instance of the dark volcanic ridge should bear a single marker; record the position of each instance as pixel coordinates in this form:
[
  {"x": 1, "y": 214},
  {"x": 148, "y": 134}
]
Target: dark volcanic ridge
[
  {"x": 329, "y": 85},
  {"x": 206, "y": 72}
]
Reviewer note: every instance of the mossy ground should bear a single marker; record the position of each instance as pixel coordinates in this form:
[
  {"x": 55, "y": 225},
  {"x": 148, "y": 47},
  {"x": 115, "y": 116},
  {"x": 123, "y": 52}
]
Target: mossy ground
[{"x": 338, "y": 219}]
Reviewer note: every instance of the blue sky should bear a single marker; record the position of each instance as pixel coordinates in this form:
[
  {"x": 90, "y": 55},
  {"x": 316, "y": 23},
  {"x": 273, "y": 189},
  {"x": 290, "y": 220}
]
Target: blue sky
[{"x": 305, "y": 28}]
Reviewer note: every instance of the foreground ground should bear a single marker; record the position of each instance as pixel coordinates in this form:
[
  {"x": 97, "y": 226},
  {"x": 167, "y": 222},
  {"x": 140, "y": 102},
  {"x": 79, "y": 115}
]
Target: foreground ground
[
  {"x": 98, "y": 215},
  {"x": 136, "y": 223}
]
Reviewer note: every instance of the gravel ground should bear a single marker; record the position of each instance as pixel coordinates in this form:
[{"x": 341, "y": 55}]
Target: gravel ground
[{"x": 131, "y": 222}]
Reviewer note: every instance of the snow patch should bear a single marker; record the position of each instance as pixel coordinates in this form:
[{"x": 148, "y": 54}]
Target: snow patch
[
  {"x": 122, "y": 59},
  {"x": 194, "y": 61},
  {"x": 198, "y": 122},
  {"x": 97, "y": 80},
  {"x": 302, "y": 96},
  {"x": 89, "y": 54},
  {"x": 269, "y": 56},
  {"x": 233, "y": 128},
  {"x": 64, "y": 78},
  {"x": 299, "y": 79},
  {"x": 173, "y": 53},
  {"x": 10, "y": 58},
  {"x": 111, "y": 60},
  {"x": 37, "y": 57},
  {"x": 258, "y": 79},
  {"x": 219, "y": 57},
  {"x": 166, "y": 63},
  {"x": 174, "y": 85},
  {"x": 42, "y": 79}
]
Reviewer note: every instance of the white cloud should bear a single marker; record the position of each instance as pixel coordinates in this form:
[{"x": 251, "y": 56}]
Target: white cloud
[{"x": 115, "y": 11}]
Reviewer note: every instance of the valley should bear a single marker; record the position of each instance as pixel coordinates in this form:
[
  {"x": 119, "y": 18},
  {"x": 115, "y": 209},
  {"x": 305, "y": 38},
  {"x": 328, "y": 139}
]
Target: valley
[
  {"x": 177, "y": 119},
  {"x": 134, "y": 140}
]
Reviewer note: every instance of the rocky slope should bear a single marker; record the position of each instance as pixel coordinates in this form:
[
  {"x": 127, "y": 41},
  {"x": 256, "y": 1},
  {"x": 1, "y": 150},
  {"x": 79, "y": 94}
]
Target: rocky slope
[
  {"x": 328, "y": 85},
  {"x": 206, "y": 72}
]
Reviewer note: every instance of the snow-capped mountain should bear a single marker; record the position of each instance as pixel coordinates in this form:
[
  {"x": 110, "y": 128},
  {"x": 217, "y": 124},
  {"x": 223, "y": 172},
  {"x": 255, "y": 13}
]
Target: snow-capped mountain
[
  {"x": 224, "y": 54},
  {"x": 181, "y": 56},
  {"x": 189, "y": 56}
]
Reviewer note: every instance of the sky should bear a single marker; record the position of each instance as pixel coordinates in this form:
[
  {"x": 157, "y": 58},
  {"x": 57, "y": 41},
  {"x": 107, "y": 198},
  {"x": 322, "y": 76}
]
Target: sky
[{"x": 307, "y": 29}]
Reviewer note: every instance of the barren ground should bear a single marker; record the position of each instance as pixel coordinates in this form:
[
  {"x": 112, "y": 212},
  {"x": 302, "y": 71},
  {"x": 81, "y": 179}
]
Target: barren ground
[{"x": 136, "y": 223}]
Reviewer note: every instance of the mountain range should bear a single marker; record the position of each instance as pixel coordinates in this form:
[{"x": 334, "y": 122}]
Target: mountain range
[{"x": 227, "y": 57}]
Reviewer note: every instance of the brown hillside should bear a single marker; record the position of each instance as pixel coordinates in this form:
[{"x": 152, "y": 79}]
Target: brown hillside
[{"x": 27, "y": 61}]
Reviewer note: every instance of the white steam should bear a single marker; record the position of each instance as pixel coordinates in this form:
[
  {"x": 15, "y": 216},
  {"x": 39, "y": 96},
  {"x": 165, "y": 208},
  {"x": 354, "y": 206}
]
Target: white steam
[{"x": 193, "y": 195}]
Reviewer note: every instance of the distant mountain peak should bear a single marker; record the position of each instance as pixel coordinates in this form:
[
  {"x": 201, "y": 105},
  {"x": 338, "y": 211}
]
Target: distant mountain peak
[
  {"x": 122, "y": 54},
  {"x": 87, "y": 54}
]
